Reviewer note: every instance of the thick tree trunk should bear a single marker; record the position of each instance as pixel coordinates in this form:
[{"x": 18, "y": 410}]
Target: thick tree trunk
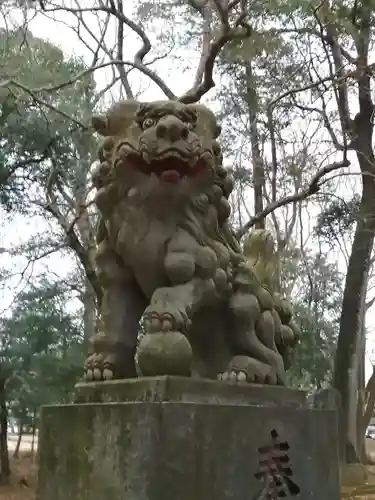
[
  {"x": 357, "y": 437},
  {"x": 361, "y": 444},
  {"x": 89, "y": 311},
  {"x": 87, "y": 231},
  {"x": 4, "y": 455},
  {"x": 352, "y": 314},
  {"x": 357, "y": 388},
  {"x": 350, "y": 321},
  {"x": 369, "y": 402}
]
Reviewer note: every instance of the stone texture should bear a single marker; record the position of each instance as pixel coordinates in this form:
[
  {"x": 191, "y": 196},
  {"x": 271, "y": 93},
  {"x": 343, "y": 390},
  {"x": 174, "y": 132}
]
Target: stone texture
[
  {"x": 166, "y": 388},
  {"x": 152, "y": 449}
]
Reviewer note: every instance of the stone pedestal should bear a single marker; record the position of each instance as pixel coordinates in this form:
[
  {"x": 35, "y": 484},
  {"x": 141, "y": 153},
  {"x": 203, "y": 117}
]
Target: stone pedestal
[{"x": 169, "y": 438}]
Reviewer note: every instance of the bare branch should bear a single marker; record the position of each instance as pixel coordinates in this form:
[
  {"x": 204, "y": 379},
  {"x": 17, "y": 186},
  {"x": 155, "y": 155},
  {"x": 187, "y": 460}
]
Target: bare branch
[
  {"x": 38, "y": 100},
  {"x": 370, "y": 303},
  {"x": 146, "y": 47},
  {"x": 24, "y": 163},
  {"x": 137, "y": 62},
  {"x": 341, "y": 91},
  {"x": 334, "y": 79},
  {"x": 312, "y": 188},
  {"x": 144, "y": 69},
  {"x": 120, "y": 54},
  {"x": 72, "y": 241},
  {"x": 206, "y": 13},
  {"x": 211, "y": 50},
  {"x": 310, "y": 31},
  {"x": 323, "y": 113}
]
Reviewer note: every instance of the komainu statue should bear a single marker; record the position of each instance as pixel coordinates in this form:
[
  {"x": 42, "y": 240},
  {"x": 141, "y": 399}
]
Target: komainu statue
[{"x": 167, "y": 256}]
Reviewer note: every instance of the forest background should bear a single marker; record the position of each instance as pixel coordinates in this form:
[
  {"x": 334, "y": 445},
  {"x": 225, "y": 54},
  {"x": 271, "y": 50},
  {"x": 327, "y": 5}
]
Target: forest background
[{"x": 292, "y": 85}]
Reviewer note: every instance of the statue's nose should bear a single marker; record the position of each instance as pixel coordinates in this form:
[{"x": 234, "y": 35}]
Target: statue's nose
[{"x": 171, "y": 129}]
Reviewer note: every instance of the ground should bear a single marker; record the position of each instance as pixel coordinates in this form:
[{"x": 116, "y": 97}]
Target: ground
[
  {"x": 24, "y": 470},
  {"x": 24, "y": 475}
]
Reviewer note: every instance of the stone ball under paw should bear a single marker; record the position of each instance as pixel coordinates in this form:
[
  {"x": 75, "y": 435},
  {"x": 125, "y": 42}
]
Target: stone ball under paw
[{"x": 166, "y": 353}]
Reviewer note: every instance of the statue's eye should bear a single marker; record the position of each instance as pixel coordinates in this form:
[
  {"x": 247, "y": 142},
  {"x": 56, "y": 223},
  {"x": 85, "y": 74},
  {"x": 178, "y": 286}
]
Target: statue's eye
[{"x": 148, "y": 122}]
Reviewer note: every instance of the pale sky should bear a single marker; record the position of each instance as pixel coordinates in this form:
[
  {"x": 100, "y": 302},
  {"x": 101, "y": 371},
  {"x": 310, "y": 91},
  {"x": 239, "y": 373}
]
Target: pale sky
[{"x": 59, "y": 34}]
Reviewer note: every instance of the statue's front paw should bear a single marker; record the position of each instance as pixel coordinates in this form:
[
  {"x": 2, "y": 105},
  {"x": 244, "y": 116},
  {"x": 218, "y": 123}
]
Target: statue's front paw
[
  {"x": 98, "y": 366},
  {"x": 160, "y": 319},
  {"x": 108, "y": 360},
  {"x": 165, "y": 349}
]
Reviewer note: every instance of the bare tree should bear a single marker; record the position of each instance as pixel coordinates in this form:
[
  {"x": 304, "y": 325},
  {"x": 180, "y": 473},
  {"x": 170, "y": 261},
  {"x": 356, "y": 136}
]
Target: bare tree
[{"x": 333, "y": 57}]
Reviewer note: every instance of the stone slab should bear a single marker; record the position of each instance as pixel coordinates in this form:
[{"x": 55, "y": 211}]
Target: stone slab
[
  {"x": 181, "y": 451},
  {"x": 189, "y": 390}
]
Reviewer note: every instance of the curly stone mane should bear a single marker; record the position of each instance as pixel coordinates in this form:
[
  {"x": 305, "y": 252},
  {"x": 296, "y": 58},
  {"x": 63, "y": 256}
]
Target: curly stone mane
[{"x": 206, "y": 216}]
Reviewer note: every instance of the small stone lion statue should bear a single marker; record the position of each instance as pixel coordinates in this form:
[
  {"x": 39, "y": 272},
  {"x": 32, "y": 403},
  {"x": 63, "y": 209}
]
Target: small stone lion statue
[{"x": 166, "y": 254}]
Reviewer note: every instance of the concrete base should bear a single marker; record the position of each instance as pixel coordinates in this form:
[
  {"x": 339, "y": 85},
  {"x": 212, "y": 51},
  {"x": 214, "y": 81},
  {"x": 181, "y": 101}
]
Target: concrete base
[{"x": 167, "y": 438}]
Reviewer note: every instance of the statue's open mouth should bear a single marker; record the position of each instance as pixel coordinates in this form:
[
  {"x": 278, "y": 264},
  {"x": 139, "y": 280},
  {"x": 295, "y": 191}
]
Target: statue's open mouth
[{"x": 171, "y": 166}]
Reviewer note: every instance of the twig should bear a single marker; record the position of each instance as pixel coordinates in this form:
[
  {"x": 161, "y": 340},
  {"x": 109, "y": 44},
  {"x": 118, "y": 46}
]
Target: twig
[
  {"x": 137, "y": 62},
  {"x": 312, "y": 188},
  {"x": 24, "y": 163},
  {"x": 210, "y": 51},
  {"x": 120, "y": 54}
]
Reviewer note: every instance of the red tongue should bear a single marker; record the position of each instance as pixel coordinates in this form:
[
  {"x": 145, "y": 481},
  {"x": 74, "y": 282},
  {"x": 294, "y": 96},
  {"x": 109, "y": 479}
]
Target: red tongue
[{"x": 172, "y": 176}]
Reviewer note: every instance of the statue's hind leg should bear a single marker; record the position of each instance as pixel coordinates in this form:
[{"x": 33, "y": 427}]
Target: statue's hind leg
[
  {"x": 252, "y": 335},
  {"x": 246, "y": 369},
  {"x": 112, "y": 350}
]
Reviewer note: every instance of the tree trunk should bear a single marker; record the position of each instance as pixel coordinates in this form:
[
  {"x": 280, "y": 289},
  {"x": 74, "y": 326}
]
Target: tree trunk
[
  {"x": 370, "y": 402},
  {"x": 361, "y": 130},
  {"x": 350, "y": 321},
  {"x": 257, "y": 160},
  {"x": 19, "y": 440},
  {"x": 33, "y": 434},
  {"x": 352, "y": 313},
  {"x": 87, "y": 231},
  {"x": 4, "y": 455},
  {"x": 357, "y": 388},
  {"x": 361, "y": 445},
  {"x": 89, "y": 311}
]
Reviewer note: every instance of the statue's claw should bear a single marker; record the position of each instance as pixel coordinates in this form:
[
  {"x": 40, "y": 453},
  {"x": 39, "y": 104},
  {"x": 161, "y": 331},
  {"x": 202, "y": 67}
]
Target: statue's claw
[
  {"x": 157, "y": 319},
  {"x": 97, "y": 375},
  {"x": 106, "y": 366},
  {"x": 233, "y": 377},
  {"x": 99, "y": 366},
  {"x": 245, "y": 369}
]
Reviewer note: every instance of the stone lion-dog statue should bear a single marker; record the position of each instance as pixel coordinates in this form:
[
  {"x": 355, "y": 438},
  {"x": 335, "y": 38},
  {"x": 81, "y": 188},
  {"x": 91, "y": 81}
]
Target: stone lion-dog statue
[{"x": 167, "y": 257}]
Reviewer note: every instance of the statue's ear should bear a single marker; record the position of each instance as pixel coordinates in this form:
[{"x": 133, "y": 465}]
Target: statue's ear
[
  {"x": 206, "y": 117},
  {"x": 117, "y": 119}
]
